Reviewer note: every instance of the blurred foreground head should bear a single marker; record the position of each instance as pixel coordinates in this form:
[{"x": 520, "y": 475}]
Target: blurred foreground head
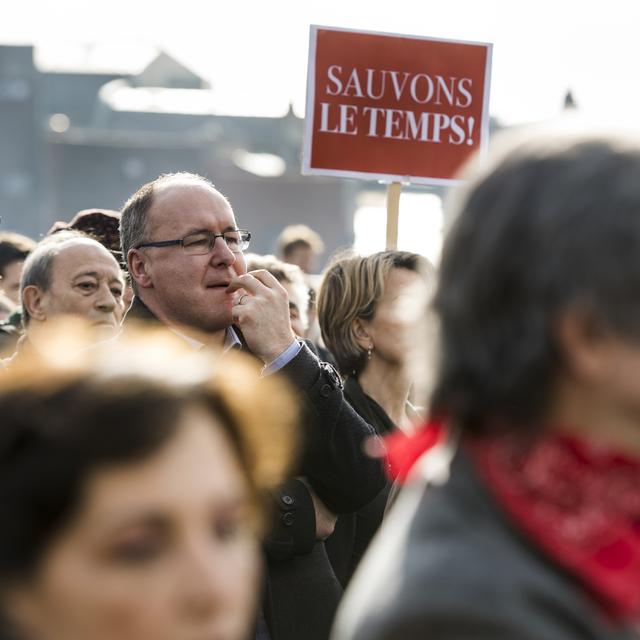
[
  {"x": 133, "y": 478},
  {"x": 538, "y": 297},
  {"x": 291, "y": 277}
]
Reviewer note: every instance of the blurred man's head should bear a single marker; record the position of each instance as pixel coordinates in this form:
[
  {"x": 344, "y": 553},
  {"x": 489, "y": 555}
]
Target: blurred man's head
[
  {"x": 71, "y": 274},
  {"x": 14, "y": 248},
  {"x": 100, "y": 224},
  {"x": 291, "y": 278},
  {"x": 538, "y": 298},
  {"x": 166, "y": 229},
  {"x": 300, "y": 245}
]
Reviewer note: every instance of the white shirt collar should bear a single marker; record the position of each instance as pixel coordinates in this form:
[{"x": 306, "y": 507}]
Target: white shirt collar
[{"x": 231, "y": 340}]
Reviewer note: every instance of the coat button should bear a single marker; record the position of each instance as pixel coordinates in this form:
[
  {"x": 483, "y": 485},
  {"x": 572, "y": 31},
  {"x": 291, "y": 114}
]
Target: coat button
[
  {"x": 325, "y": 390},
  {"x": 288, "y": 500},
  {"x": 288, "y": 518}
]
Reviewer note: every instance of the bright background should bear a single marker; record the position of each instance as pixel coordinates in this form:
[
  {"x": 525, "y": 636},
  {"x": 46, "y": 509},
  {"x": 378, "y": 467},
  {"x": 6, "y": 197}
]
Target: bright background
[{"x": 255, "y": 56}]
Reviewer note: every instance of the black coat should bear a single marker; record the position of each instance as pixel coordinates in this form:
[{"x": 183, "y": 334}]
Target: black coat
[
  {"x": 354, "y": 531},
  {"x": 302, "y": 592},
  {"x": 448, "y": 565}
]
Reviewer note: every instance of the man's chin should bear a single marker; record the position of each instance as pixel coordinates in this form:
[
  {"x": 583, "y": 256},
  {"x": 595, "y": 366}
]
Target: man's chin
[
  {"x": 203, "y": 315},
  {"x": 104, "y": 330},
  {"x": 208, "y": 324},
  {"x": 220, "y": 323}
]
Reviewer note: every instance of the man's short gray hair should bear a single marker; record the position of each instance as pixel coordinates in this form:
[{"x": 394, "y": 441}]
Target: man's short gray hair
[{"x": 134, "y": 215}]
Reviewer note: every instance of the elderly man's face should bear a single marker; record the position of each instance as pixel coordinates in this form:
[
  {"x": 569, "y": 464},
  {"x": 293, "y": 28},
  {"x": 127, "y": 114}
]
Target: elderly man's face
[
  {"x": 86, "y": 281},
  {"x": 190, "y": 290}
]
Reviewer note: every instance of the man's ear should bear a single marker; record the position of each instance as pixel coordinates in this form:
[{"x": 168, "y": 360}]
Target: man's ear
[
  {"x": 33, "y": 302},
  {"x": 361, "y": 334},
  {"x": 584, "y": 344},
  {"x": 137, "y": 264}
]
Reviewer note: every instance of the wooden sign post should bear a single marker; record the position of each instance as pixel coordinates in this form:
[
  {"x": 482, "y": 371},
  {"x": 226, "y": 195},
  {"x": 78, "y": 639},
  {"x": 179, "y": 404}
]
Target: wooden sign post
[{"x": 393, "y": 214}]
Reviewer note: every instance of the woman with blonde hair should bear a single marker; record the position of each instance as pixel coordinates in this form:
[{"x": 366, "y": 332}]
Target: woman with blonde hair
[{"x": 368, "y": 309}]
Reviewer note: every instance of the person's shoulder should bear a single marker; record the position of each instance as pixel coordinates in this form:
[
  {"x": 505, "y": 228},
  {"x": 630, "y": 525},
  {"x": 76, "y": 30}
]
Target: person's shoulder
[
  {"x": 453, "y": 567},
  {"x": 460, "y": 539},
  {"x": 431, "y": 572}
]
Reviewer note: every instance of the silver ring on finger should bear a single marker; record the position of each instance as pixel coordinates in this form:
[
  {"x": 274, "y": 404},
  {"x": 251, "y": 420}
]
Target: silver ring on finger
[{"x": 242, "y": 297}]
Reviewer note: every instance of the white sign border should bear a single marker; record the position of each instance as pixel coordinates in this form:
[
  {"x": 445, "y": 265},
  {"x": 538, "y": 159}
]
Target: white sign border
[{"x": 309, "y": 114}]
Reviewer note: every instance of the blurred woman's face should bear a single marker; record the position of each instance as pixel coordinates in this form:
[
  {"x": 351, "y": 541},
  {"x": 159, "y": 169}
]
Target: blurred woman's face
[
  {"x": 393, "y": 328},
  {"x": 162, "y": 549}
]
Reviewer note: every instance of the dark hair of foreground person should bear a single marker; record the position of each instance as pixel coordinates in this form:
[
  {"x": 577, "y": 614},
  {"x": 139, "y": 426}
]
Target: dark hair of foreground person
[
  {"x": 553, "y": 225},
  {"x": 134, "y": 479}
]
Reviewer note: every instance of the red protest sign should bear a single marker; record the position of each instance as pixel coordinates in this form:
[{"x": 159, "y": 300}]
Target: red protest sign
[{"x": 392, "y": 107}]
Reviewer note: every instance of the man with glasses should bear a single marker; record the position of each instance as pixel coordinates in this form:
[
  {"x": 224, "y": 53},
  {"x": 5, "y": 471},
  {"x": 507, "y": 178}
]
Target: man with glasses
[{"x": 184, "y": 252}]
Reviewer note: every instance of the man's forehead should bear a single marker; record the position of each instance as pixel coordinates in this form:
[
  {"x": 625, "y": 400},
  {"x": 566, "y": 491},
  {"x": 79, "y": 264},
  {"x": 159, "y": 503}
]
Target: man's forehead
[
  {"x": 183, "y": 204},
  {"x": 79, "y": 253}
]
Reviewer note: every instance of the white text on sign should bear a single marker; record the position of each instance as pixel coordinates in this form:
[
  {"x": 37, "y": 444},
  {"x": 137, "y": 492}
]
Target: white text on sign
[{"x": 397, "y": 124}]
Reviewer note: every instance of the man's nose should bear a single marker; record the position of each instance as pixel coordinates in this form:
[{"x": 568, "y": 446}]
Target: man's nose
[
  {"x": 221, "y": 255},
  {"x": 105, "y": 299}
]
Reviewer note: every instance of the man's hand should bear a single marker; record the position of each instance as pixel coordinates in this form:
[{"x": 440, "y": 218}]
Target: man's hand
[
  {"x": 262, "y": 313},
  {"x": 325, "y": 519}
]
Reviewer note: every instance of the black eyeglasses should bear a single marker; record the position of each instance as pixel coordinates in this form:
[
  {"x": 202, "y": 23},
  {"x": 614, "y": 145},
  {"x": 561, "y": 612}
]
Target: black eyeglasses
[{"x": 201, "y": 242}]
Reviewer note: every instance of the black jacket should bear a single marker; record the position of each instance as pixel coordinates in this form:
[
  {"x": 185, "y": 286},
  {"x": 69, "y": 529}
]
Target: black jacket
[
  {"x": 354, "y": 531},
  {"x": 301, "y": 587}
]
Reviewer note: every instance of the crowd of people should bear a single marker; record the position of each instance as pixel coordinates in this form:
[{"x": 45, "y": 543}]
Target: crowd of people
[{"x": 197, "y": 441}]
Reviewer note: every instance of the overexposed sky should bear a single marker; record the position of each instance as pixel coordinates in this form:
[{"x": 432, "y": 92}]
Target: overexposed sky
[{"x": 255, "y": 53}]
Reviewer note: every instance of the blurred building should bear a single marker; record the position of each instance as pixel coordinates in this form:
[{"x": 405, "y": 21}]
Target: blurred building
[{"x": 89, "y": 134}]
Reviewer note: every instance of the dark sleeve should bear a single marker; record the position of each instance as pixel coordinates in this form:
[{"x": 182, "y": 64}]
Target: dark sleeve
[
  {"x": 367, "y": 523},
  {"x": 333, "y": 458},
  {"x": 293, "y": 531}
]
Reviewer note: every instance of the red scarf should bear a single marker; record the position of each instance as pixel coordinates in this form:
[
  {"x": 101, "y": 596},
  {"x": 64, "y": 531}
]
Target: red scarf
[
  {"x": 578, "y": 503},
  {"x": 403, "y": 450}
]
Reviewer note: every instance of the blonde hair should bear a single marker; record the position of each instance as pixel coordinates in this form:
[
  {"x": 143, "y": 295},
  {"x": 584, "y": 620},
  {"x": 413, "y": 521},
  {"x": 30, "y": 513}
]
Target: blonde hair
[
  {"x": 146, "y": 379},
  {"x": 351, "y": 288}
]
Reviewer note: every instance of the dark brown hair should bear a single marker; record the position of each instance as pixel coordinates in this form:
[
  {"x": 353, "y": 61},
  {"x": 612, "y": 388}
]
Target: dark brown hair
[
  {"x": 550, "y": 223},
  {"x": 65, "y": 417}
]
